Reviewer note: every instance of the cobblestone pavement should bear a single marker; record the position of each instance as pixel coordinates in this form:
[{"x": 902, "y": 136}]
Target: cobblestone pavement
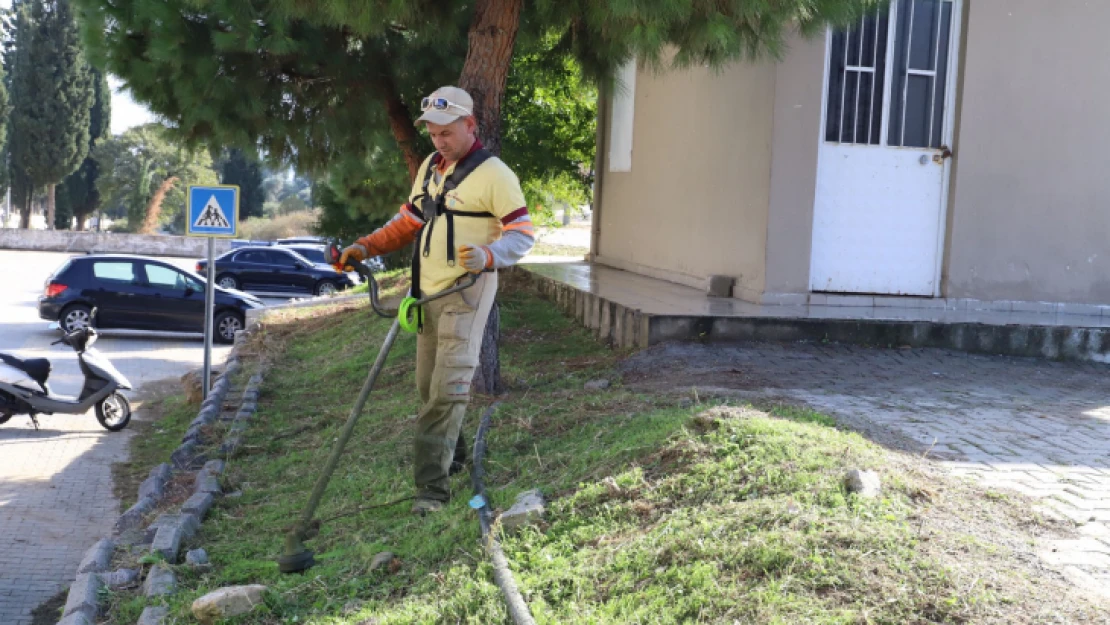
[
  {"x": 55, "y": 501},
  {"x": 1036, "y": 427},
  {"x": 56, "y": 495}
]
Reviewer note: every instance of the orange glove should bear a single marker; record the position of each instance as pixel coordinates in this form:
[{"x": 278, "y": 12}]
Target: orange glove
[
  {"x": 357, "y": 252},
  {"x": 399, "y": 232},
  {"x": 475, "y": 259}
]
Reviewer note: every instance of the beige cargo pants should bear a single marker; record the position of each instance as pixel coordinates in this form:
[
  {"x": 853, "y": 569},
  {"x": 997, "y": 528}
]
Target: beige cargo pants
[{"x": 446, "y": 357}]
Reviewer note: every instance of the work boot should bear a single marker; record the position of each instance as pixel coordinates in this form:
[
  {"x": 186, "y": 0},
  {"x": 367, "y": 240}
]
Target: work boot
[{"x": 424, "y": 507}]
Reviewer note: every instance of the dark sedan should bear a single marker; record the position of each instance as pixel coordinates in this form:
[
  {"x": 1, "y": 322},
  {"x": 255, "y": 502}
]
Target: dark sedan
[
  {"x": 138, "y": 293},
  {"x": 275, "y": 270}
]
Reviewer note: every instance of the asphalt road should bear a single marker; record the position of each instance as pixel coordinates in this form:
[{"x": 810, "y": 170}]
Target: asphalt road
[{"x": 55, "y": 483}]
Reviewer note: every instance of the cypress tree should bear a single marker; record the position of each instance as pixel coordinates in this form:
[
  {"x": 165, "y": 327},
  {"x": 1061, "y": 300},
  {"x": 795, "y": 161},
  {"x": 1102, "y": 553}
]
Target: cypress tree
[
  {"x": 55, "y": 109},
  {"x": 77, "y": 196},
  {"x": 238, "y": 168},
  {"x": 17, "y": 62}
]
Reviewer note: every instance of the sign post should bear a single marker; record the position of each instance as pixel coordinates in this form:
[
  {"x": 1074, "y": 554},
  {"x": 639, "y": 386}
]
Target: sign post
[{"x": 213, "y": 213}]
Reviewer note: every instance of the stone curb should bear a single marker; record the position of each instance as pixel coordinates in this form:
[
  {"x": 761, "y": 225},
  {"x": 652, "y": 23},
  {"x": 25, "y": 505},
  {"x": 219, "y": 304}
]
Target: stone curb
[
  {"x": 168, "y": 532},
  {"x": 253, "y": 315},
  {"x": 83, "y": 596},
  {"x": 98, "y": 557},
  {"x": 153, "y": 615}
]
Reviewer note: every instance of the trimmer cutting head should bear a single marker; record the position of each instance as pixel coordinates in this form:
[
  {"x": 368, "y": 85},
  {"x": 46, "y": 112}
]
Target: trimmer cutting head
[
  {"x": 297, "y": 562},
  {"x": 296, "y": 557}
]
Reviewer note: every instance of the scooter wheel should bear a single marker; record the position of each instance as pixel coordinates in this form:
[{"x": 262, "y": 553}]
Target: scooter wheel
[{"x": 114, "y": 412}]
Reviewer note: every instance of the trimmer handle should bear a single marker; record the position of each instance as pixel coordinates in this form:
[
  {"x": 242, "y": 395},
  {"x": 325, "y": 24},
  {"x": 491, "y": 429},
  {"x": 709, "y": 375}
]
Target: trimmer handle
[{"x": 333, "y": 253}]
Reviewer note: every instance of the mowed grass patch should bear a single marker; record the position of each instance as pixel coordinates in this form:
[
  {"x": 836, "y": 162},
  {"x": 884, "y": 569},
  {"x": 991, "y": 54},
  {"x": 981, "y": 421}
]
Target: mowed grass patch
[{"x": 660, "y": 510}]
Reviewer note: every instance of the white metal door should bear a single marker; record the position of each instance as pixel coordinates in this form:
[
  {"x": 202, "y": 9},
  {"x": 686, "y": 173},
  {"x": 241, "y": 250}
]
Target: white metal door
[{"x": 883, "y": 162}]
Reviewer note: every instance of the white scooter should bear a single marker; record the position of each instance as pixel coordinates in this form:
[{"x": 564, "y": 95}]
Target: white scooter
[{"x": 24, "y": 391}]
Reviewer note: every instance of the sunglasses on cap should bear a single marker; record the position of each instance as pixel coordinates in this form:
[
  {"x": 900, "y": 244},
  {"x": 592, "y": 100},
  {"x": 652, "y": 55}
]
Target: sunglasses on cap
[{"x": 441, "y": 104}]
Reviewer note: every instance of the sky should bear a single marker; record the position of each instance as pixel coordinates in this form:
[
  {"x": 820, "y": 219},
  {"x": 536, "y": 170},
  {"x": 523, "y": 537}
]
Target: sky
[{"x": 126, "y": 112}]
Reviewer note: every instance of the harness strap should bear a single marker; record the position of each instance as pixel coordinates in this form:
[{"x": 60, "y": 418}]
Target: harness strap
[{"x": 431, "y": 207}]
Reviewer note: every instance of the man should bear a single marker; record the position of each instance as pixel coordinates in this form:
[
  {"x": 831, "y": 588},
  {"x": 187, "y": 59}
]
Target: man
[{"x": 466, "y": 213}]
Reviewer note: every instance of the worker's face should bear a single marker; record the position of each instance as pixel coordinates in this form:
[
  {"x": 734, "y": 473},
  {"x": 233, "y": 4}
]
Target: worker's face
[{"x": 454, "y": 140}]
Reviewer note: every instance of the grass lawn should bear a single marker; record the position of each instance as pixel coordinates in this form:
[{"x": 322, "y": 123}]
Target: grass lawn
[{"x": 660, "y": 510}]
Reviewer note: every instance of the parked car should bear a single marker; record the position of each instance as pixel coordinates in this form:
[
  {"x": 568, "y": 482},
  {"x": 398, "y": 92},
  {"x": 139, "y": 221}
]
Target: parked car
[
  {"x": 275, "y": 270},
  {"x": 302, "y": 240},
  {"x": 237, "y": 243},
  {"x": 313, "y": 252},
  {"x": 138, "y": 293}
]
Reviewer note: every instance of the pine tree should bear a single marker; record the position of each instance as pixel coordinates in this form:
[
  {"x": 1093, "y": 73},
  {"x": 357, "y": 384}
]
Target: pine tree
[
  {"x": 238, "y": 168},
  {"x": 77, "y": 196},
  {"x": 311, "y": 81},
  {"x": 321, "y": 84},
  {"x": 55, "y": 106}
]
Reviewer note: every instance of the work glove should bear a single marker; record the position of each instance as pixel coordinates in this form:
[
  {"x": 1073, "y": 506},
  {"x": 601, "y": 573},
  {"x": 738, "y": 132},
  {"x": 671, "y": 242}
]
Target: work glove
[
  {"x": 356, "y": 252},
  {"x": 474, "y": 259}
]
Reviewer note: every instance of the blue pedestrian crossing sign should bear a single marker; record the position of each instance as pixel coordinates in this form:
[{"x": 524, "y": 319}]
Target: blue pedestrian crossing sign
[{"x": 213, "y": 211}]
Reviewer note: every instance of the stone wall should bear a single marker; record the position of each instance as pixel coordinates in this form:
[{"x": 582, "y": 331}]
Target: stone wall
[{"x": 108, "y": 243}]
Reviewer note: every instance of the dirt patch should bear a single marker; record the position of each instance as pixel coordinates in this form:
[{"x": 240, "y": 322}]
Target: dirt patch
[
  {"x": 149, "y": 407},
  {"x": 957, "y": 518},
  {"x": 986, "y": 537},
  {"x": 679, "y": 366},
  {"x": 50, "y": 610}
]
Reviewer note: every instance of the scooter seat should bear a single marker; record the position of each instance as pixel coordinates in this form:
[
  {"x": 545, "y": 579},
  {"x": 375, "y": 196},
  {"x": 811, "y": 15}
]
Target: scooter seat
[{"x": 38, "y": 368}]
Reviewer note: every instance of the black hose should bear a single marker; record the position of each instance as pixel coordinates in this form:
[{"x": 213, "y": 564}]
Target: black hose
[
  {"x": 373, "y": 290},
  {"x": 502, "y": 575}
]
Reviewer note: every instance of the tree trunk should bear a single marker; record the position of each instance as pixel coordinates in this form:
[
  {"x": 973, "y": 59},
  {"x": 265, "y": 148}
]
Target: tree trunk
[
  {"x": 50, "y": 207},
  {"x": 23, "y": 199},
  {"x": 404, "y": 132},
  {"x": 487, "y": 378},
  {"x": 488, "y": 57},
  {"x": 81, "y": 221},
  {"x": 154, "y": 207}
]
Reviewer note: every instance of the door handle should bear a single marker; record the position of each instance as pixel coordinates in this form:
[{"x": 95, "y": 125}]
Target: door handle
[{"x": 945, "y": 154}]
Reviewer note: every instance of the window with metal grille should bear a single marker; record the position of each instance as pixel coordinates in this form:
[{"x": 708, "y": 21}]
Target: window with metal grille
[
  {"x": 857, "y": 71},
  {"x": 860, "y": 105},
  {"x": 920, "y": 80}
]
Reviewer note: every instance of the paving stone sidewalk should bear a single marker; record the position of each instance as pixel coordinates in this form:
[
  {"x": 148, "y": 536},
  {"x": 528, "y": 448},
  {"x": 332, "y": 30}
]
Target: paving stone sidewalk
[
  {"x": 1036, "y": 427},
  {"x": 55, "y": 500}
]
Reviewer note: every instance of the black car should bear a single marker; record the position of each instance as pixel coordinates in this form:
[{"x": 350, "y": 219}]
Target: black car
[
  {"x": 275, "y": 270},
  {"x": 138, "y": 293}
]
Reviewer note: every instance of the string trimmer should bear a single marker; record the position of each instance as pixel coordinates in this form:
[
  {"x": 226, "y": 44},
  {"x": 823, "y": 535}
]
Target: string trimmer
[{"x": 296, "y": 557}]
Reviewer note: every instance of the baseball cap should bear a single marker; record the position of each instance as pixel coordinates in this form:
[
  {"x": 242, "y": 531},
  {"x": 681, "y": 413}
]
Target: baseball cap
[{"x": 446, "y": 105}]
